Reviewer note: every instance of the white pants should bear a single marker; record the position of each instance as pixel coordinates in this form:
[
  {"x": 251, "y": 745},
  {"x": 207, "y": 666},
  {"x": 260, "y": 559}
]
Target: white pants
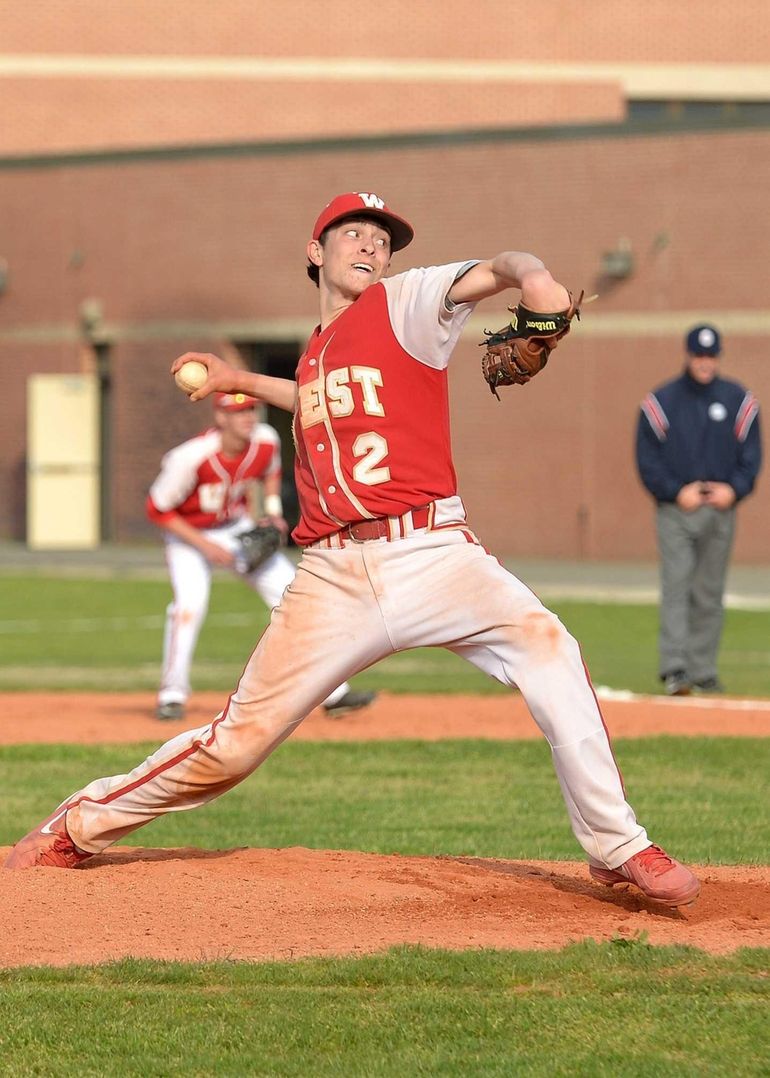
[
  {"x": 344, "y": 610},
  {"x": 190, "y": 575}
]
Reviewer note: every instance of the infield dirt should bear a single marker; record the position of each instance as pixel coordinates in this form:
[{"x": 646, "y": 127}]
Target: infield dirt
[{"x": 255, "y": 904}]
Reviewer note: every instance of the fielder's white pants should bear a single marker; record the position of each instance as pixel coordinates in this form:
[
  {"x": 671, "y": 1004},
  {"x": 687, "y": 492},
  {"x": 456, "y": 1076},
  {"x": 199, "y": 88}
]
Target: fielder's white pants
[
  {"x": 190, "y": 574},
  {"x": 346, "y": 609}
]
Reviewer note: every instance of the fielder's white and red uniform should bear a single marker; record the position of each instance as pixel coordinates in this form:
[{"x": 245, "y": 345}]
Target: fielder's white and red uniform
[
  {"x": 389, "y": 563},
  {"x": 210, "y": 491}
]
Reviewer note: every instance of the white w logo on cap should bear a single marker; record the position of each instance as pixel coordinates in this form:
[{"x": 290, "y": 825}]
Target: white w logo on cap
[{"x": 374, "y": 202}]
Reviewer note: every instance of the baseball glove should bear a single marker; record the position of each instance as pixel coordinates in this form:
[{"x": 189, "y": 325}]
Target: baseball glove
[
  {"x": 520, "y": 350},
  {"x": 256, "y": 546}
]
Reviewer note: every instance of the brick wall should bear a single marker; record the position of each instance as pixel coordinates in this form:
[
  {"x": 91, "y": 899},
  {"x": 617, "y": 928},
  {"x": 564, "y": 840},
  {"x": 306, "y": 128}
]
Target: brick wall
[
  {"x": 179, "y": 252},
  {"x": 146, "y": 114},
  {"x": 206, "y": 251},
  {"x": 138, "y": 97},
  {"x": 702, "y": 30}
]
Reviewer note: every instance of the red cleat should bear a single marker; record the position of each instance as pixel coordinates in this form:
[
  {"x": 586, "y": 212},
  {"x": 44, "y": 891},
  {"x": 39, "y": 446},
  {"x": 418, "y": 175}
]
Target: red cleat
[
  {"x": 658, "y": 876},
  {"x": 48, "y": 846}
]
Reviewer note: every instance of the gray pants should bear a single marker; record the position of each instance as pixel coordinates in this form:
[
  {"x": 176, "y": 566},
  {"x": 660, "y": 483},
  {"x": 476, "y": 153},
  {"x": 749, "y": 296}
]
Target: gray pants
[{"x": 694, "y": 553}]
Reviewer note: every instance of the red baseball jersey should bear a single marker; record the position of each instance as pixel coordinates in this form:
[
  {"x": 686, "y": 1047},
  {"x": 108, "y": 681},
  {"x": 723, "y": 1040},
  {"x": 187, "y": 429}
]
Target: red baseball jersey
[
  {"x": 372, "y": 419},
  {"x": 199, "y": 483}
]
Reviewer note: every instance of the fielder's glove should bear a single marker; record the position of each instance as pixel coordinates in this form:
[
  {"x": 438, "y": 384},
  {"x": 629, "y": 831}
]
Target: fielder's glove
[
  {"x": 520, "y": 350},
  {"x": 256, "y": 546}
]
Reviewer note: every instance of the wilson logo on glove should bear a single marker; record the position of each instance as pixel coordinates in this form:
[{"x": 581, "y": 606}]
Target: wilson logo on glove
[{"x": 515, "y": 355}]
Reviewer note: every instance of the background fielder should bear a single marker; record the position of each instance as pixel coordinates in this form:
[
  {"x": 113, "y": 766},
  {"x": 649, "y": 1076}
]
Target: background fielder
[{"x": 201, "y": 501}]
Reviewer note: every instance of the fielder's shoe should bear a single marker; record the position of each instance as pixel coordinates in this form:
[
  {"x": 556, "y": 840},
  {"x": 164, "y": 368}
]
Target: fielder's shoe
[
  {"x": 709, "y": 684},
  {"x": 170, "y": 712},
  {"x": 658, "y": 876},
  {"x": 677, "y": 683},
  {"x": 351, "y": 701},
  {"x": 48, "y": 846}
]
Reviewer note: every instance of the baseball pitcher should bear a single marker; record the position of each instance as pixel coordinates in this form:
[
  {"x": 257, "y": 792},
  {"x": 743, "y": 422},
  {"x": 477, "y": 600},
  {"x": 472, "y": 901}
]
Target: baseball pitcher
[{"x": 390, "y": 561}]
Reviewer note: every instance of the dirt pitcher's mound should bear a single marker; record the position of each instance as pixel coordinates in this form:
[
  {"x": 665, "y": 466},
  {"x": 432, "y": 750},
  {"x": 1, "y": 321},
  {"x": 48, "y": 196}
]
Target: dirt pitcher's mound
[
  {"x": 195, "y": 905},
  {"x": 95, "y": 718}
]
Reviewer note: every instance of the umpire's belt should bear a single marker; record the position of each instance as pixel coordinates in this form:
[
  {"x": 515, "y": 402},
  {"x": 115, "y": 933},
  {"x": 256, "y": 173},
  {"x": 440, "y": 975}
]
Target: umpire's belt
[{"x": 385, "y": 527}]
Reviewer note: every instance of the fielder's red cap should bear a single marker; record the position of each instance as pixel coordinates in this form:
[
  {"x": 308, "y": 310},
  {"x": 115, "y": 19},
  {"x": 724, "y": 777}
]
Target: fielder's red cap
[
  {"x": 233, "y": 402},
  {"x": 365, "y": 204}
]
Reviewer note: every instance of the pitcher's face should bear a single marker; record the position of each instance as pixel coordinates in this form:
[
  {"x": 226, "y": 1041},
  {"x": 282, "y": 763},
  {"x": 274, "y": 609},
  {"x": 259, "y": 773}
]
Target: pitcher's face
[{"x": 355, "y": 255}]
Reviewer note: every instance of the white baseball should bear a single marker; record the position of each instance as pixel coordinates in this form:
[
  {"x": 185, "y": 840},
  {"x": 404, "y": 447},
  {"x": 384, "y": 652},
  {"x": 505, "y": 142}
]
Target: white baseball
[{"x": 191, "y": 375}]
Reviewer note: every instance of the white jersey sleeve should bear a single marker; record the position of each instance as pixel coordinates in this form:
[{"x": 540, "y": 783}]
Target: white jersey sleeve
[
  {"x": 425, "y": 322},
  {"x": 264, "y": 434},
  {"x": 178, "y": 476}
]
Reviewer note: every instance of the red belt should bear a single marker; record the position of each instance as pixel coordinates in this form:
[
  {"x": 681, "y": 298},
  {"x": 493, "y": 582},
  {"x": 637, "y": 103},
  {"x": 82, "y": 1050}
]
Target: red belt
[{"x": 380, "y": 527}]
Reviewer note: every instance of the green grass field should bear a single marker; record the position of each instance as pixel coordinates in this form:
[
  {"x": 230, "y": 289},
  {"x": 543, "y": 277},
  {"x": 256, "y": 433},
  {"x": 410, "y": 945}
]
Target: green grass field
[
  {"x": 484, "y": 798},
  {"x": 620, "y": 1008},
  {"x": 61, "y": 633}
]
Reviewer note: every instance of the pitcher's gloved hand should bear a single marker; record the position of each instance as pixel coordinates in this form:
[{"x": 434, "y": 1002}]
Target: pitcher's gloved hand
[{"x": 520, "y": 350}]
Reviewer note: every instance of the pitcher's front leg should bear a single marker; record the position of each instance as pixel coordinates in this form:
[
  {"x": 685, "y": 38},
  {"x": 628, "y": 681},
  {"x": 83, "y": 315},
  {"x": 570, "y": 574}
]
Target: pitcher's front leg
[
  {"x": 503, "y": 628},
  {"x": 536, "y": 653},
  {"x": 296, "y": 664}
]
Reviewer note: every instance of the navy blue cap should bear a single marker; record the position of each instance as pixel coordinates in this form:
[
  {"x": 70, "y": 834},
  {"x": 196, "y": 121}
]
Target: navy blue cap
[{"x": 703, "y": 341}]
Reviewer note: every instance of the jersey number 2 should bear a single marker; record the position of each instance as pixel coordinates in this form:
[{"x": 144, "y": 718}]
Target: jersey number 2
[{"x": 371, "y": 448}]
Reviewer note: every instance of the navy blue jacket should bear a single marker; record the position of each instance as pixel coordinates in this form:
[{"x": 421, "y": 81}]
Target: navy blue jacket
[{"x": 689, "y": 432}]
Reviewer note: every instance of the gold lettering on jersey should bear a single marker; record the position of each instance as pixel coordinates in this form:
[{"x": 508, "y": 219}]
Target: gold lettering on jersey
[
  {"x": 371, "y": 448},
  {"x": 338, "y": 392},
  {"x": 369, "y": 378},
  {"x": 312, "y": 404},
  {"x": 336, "y": 399}
]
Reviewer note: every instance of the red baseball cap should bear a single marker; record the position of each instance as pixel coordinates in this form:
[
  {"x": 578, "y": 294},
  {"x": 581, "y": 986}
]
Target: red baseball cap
[
  {"x": 365, "y": 204},
  {"x": 233, "y": 402}
]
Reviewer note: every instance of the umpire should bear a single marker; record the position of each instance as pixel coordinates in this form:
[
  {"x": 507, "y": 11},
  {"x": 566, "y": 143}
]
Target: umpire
[{"x": 698, "y": 452}]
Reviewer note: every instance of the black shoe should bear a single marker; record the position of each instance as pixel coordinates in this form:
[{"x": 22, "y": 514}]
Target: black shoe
[
  {"x": 169, "y": 712},
  {"x": 351, "y": 701},
  {"x": 676, "y": 683},
  {"x": 709, "y": 684}
]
